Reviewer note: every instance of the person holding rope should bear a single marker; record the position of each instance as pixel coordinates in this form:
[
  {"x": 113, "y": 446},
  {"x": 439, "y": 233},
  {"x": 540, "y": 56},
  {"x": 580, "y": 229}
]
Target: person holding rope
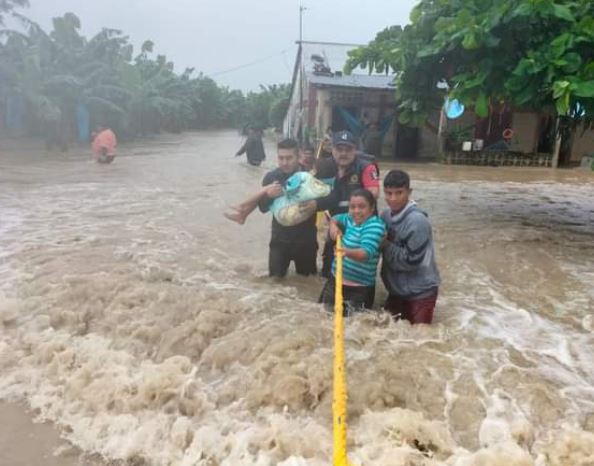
[
  {"x": 362, "y": 233},
  {"x": 349, "y": 171}
]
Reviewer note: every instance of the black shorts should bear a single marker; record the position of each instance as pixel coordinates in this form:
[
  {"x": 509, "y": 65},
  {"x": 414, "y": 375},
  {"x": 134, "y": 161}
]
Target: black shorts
[
  {"x": 282, "y": 253},
  {"x": 356, "y": 298},
  {"x": 328, "y": 257}
]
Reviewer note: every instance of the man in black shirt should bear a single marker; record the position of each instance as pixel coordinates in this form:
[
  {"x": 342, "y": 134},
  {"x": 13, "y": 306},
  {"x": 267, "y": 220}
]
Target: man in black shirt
[
  {"x": 253, "y": 148},
  {"x": 295, "y": 243}
]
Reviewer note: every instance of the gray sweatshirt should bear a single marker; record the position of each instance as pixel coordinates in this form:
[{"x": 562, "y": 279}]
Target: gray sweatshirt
[{"x": 408, "y": 266}]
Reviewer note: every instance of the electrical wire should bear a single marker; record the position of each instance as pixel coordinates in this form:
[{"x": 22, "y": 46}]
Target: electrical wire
[{"x": 245, "y": 65}]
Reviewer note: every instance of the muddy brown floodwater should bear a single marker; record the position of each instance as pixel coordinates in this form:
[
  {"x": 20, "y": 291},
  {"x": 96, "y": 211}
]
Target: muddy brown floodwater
[{"x": 139, "y": 324}]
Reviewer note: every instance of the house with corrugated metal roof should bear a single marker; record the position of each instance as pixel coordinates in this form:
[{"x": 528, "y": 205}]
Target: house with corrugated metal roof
[{"x": 324, "y": 99}]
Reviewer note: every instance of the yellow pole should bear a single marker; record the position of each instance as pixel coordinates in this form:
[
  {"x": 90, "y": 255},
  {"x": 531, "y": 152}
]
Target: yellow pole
[
  {"x": 319, "y": 151},
  {"x": 339, "y": 401}
]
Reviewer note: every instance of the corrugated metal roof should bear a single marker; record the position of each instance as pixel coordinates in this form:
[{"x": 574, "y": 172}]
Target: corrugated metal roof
[{"x": 354, "y": 80}]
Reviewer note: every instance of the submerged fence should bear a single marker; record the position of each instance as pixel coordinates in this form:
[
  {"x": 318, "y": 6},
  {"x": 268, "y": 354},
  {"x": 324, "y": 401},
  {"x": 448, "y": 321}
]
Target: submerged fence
[{"x": 497, "y": 159}]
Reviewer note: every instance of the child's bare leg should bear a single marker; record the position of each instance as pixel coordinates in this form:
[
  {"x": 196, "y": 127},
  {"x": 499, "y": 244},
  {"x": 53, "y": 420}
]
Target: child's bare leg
[{"x": 243, "y": 210}]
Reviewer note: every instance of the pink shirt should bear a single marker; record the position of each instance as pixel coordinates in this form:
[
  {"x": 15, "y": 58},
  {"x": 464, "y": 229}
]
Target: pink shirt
[{"x": 106, "y": 139}]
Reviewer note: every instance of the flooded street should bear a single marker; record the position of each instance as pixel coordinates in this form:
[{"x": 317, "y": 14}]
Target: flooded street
[{"x": 142, "y": 324}]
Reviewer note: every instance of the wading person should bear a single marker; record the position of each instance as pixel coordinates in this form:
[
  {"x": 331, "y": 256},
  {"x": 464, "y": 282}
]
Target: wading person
[
  {"x": 288, "y": 244},
  {"x": 349, "y": 173},
  {"x": 409, "y": 270},
  {"x": 253, "y": 148},
  {"x": 362, "y": 232},
  {"x": 104, "y": 145}
]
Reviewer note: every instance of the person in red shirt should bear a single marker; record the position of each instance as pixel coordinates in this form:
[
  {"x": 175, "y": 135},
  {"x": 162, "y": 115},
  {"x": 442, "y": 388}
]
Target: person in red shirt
[{"x": 104, "y": 144}]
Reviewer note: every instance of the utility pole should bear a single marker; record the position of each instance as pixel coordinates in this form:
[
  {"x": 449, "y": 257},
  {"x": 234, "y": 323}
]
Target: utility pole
[{"x": 301, "y": 65}]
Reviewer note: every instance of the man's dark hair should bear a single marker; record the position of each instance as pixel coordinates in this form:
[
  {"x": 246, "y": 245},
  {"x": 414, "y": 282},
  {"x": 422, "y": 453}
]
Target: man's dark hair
[
  {"x": 361, "y": 192},
  {"x": 397, "y": 179},
  {"x": 288, "y": 144},
  {"x": 308, "y": 148}
]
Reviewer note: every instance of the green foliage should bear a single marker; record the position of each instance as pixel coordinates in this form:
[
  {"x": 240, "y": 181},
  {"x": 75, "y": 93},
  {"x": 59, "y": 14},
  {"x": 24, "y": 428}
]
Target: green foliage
[
  {"x": 536, "y": 54},
  {"x": 56, "y": 72},
  {"x": 267, "y": 108}
]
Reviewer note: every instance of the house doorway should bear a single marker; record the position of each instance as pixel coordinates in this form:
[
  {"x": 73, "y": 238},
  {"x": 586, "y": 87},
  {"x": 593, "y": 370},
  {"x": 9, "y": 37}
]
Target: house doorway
[{"x": 406, "y": 146}]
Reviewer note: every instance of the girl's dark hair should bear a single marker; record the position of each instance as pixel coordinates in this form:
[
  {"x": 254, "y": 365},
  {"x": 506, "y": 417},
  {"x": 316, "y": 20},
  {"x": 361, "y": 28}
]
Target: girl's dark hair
[{"x": 365, "y": 194}]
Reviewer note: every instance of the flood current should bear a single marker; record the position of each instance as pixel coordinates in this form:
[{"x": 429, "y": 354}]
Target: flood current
[{"x": 141, "y": 323}]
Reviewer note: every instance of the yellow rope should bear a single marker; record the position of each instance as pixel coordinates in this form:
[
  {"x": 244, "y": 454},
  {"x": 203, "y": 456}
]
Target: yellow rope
[{"x": 339, "y": 403}]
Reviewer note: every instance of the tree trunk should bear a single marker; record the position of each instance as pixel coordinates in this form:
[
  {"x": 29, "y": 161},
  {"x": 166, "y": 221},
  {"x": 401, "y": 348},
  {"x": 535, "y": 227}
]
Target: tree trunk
[
  {"x": 441, "y": 130},
  {"x": 557, "y": 147}
]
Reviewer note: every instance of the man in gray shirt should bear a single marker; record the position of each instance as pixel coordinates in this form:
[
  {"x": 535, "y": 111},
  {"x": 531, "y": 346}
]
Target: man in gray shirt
[{"x": 409, "y": 270}]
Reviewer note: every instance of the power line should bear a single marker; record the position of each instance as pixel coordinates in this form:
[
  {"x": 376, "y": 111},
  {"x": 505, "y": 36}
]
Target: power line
[{"x": 245, "y": 65}]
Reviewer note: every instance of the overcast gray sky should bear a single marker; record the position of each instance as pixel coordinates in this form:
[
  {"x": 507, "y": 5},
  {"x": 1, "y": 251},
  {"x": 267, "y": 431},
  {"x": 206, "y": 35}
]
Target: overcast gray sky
[{"x": 214, "y": 36}]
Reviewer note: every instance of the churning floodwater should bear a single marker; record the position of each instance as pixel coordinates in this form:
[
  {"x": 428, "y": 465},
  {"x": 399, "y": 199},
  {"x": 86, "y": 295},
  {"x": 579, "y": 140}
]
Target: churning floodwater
[{"x": 141, "y": 323}]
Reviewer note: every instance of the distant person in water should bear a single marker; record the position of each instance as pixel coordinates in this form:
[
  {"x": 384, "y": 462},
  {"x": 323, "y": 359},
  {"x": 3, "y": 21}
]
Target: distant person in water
[
  {"x": 253, "y": 148},
  {"x": 409, "y": 269},
  {"x": 104, "y": 144}
]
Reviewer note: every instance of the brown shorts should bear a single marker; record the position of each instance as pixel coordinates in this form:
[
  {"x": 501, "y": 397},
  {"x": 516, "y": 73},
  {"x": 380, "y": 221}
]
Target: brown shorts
[{"x": 416, "y": 311}]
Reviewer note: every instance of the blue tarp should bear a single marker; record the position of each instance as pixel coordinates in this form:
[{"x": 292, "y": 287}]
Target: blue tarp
[
  {"x": 83, "y": 123},
  {"x": 15, "y": 112},
  {"x": 453, "y": 109}
]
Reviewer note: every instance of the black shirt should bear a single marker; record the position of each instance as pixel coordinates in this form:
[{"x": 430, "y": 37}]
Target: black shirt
[
  {"x": 338, "y": 200},
  {"x": 254, "y": 148},
  {"x": 304, "y": 232}
]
